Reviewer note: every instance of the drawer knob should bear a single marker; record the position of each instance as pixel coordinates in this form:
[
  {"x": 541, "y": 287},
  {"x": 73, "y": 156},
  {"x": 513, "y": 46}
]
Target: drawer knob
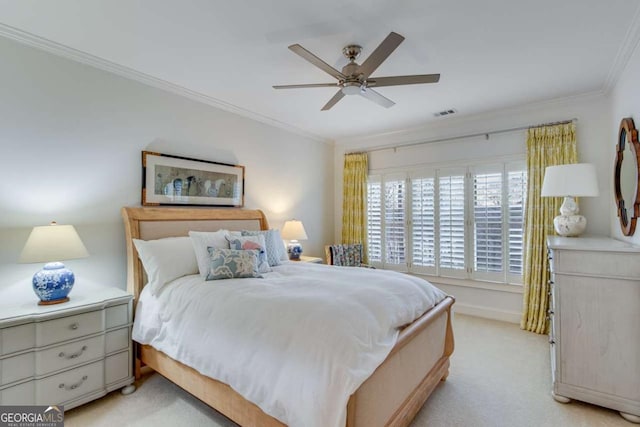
[
  {"x": 73, "y": 386},
  {"x": 552, "y": 341},
  {"x": 74, "y": 355},
  {"x": 74, "y": 326}
]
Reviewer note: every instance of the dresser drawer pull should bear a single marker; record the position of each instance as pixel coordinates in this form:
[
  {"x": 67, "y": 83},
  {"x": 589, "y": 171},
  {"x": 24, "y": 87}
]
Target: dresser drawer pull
[
  {"x": 552, "y": 341},
  {"x": 74, "y": 326},
  {"x": 73, "y": 386},
  {"x": 74, "y": 355}
]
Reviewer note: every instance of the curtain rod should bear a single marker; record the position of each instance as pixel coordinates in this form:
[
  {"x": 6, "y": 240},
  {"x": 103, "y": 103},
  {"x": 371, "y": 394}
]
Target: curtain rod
[{"x": 471, "y": 135}]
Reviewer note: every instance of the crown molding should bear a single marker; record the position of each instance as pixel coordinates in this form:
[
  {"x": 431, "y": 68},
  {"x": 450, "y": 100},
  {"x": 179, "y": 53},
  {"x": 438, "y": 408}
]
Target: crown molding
[
  {"x": 412, "y": 135},
  {"x": 626, "y": 50},
  {"x": 76, "y": 55}
]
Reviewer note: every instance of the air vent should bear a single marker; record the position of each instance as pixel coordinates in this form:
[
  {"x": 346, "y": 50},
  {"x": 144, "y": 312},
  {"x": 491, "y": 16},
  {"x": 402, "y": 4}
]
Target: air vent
[{"x": 448, "y": 112}]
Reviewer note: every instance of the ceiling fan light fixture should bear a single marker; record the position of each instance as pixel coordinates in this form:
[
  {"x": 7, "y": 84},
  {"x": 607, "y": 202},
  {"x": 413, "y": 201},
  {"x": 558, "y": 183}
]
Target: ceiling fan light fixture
[{"x": 351, "y": 88}]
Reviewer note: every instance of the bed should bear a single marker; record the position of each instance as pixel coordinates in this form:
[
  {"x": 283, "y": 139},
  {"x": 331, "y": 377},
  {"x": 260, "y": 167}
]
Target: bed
[{"x": 391, "y": 396}]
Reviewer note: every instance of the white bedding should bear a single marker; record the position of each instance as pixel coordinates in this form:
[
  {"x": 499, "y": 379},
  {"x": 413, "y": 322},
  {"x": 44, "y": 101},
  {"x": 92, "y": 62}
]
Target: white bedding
[{"x": 297, "y": 343}]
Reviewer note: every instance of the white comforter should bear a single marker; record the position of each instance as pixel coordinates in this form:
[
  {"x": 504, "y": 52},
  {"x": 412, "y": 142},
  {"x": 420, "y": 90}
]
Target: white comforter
[{"x": 297, "y": 343}]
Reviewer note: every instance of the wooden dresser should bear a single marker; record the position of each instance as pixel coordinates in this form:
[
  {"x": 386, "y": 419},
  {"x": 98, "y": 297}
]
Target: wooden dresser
[
  {"x": 64, "y": 354},
  {"x": 594, "y": 314}
]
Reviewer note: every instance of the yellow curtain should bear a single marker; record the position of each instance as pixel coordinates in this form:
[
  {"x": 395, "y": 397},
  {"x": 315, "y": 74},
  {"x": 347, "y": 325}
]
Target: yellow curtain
[
  {"x": 546, "y": 146},
  {"x": 354, "y": 197}
]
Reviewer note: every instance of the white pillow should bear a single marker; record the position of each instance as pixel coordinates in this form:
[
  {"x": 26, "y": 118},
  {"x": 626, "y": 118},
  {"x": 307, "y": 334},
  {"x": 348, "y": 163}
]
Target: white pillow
[
  {"x": 166, "y": 259},
  {"x": 202, "y": 240}
]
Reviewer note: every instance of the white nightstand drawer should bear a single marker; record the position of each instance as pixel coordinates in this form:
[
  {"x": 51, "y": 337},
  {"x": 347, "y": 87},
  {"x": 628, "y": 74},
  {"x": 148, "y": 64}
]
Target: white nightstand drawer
[
  {"x": 118, "y": 367},
  {"x": 66, "y": 328},
  {"x": 67, "y": 355},
  {"x": 117, "y": 340},
  {"x": 70, "y": 384},
  {"x": 117, "y": 316},
  {"x": 17, "y": 338},
  {"x": 16, "y": 368},
  {"x": 21, "y": 394}
]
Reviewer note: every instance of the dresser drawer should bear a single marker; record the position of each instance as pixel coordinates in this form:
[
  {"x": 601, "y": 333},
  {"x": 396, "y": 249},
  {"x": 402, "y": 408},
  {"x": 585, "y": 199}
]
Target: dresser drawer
[
  {"x": 67, "y": 328},
  {"x": 118, "y": 367},
  {"x": 17, "y": 338},
  {"x": 117, "y": 316},
  {"x": 71, "y": 384},
  {"x": 117, "y": 340},
  {"x": 618, "y": 265},
  {"x": 17, "y": 368},
  {"x": 68, "y": 355},
  {"x": 21, "y": 394}
]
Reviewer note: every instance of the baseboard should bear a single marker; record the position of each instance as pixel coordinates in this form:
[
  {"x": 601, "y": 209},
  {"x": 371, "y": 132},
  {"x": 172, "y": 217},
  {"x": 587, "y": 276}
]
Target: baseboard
[{"x": 487, "y": 312}]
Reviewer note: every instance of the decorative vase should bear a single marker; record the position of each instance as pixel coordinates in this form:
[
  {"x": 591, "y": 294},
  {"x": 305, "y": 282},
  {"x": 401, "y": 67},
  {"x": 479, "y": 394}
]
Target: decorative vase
[{"x": 53, "y": 283}]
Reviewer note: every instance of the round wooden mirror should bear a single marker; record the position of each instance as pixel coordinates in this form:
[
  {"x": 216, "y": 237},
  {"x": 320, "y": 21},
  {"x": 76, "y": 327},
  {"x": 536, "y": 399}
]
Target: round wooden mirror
[{"x": 626, "y": 176}]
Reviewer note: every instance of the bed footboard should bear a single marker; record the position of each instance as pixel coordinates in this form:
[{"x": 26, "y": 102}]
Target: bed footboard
[{"x": 396, "y": 391}]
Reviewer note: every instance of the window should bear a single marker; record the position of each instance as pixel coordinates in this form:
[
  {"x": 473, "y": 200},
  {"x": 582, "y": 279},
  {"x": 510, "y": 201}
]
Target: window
[
  {"x": 452, "y": 222},
  {"x": 464, "y": 222},
  {"x": 423, "y": 224}
]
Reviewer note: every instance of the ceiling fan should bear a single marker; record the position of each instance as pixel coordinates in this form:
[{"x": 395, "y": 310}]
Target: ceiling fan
[{"x": 355, "y": 79}]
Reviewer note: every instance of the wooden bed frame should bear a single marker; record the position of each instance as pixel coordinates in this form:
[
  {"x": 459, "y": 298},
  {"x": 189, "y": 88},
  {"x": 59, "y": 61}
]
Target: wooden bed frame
[{"x": 391, "y": 396}]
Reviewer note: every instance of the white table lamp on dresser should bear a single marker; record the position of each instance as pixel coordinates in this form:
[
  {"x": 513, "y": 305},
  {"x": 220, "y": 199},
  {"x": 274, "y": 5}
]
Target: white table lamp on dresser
[
  {"x": 51, "y": 244},
  {"x": 569, "y": 181},
  {"x": 594, "y": 317}
]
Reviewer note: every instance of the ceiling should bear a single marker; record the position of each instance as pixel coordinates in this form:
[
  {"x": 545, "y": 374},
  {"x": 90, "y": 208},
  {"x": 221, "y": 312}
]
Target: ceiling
[{"x": 491, "y": 54}]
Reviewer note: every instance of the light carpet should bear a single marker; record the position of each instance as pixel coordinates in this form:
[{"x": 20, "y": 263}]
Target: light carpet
[{"x": 499, "y": 376}]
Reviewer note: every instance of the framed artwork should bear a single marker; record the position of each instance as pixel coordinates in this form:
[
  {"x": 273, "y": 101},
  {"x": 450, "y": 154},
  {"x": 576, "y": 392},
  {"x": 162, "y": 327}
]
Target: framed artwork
[{"x": 174, "y": 180}]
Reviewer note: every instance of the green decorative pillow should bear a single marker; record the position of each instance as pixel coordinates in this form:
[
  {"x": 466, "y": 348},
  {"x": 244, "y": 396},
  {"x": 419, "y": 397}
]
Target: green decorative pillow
[{"x": 232, "y": 263}]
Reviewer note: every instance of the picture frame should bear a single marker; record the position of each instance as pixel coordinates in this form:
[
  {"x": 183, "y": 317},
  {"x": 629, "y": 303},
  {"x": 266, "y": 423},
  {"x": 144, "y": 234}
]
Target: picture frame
[{"x": 176, "y": 180}]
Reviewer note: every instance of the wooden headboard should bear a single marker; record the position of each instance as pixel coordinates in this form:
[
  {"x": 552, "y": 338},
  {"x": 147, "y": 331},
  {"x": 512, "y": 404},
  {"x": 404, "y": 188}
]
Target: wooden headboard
[{"x": 156, "y": 223}]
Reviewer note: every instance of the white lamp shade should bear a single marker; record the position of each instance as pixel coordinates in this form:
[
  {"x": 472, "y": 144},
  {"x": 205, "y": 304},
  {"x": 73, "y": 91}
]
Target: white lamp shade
[
  {"x": 576, "y": 180},
  {"x": 294, "y": 230},
  {"x": 53, "y": 243}
]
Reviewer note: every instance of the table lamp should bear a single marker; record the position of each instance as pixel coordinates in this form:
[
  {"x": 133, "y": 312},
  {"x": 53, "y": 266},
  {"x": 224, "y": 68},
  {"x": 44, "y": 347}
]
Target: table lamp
[
  {"x": 52, "y": 244},
  {"x": 293, "y": 231},
  {"x": 569, "y": 181}
]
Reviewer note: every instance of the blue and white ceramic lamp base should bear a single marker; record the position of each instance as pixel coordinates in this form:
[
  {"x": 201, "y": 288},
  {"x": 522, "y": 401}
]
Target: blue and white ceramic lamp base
[
  {"x": 295, "y": 250},
  {"x": 53, "y": 283}
]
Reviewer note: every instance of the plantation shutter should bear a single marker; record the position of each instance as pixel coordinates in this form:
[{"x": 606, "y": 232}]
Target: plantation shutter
[
  {"x": 452, "y": 222},
  {"x": 516, "y": 196},
  {"x": 423, "y": 224},
  {"x": 374, "y": 219},
  {"x": 488, "y": 222},
  {"x": 394, "y": 221}
]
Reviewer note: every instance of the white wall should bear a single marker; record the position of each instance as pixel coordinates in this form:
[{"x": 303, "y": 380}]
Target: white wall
[
  {"x": 71, "y": 138},
  {"x": 625, "y": 102},
  {"x": 592, "y": 112}
]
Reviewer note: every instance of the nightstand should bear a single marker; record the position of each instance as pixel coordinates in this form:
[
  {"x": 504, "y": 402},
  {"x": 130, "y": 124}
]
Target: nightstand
[
  {"x": 65, "y": 354},
  {"x": 311, "y": 259}
]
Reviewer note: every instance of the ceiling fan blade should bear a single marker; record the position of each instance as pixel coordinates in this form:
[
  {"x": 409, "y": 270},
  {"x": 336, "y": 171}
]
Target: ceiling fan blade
[
  {"x": 403, "y": 80},
  {"x": 296, "y": 48},
  {"x": 333, "y": 101},
  {"x": 381, "y": 53},
  {"x": 374, "y": 96},
  {"x": 301, "y": 86}
]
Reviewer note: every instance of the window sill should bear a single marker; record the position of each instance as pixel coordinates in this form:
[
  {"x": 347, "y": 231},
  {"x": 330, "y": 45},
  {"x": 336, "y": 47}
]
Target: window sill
[{"x": 476, "y": 284}]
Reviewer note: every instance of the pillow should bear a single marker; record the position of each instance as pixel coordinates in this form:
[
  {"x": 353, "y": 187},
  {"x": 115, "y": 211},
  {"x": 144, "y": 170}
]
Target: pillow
[
  {"x": 252, "y": 243},
  {"x": 202, "y": 240},
  {"x": 166, "y": 259},
  {"x": 232, "y": 263},
  {"x": 274, "y": 246}
]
